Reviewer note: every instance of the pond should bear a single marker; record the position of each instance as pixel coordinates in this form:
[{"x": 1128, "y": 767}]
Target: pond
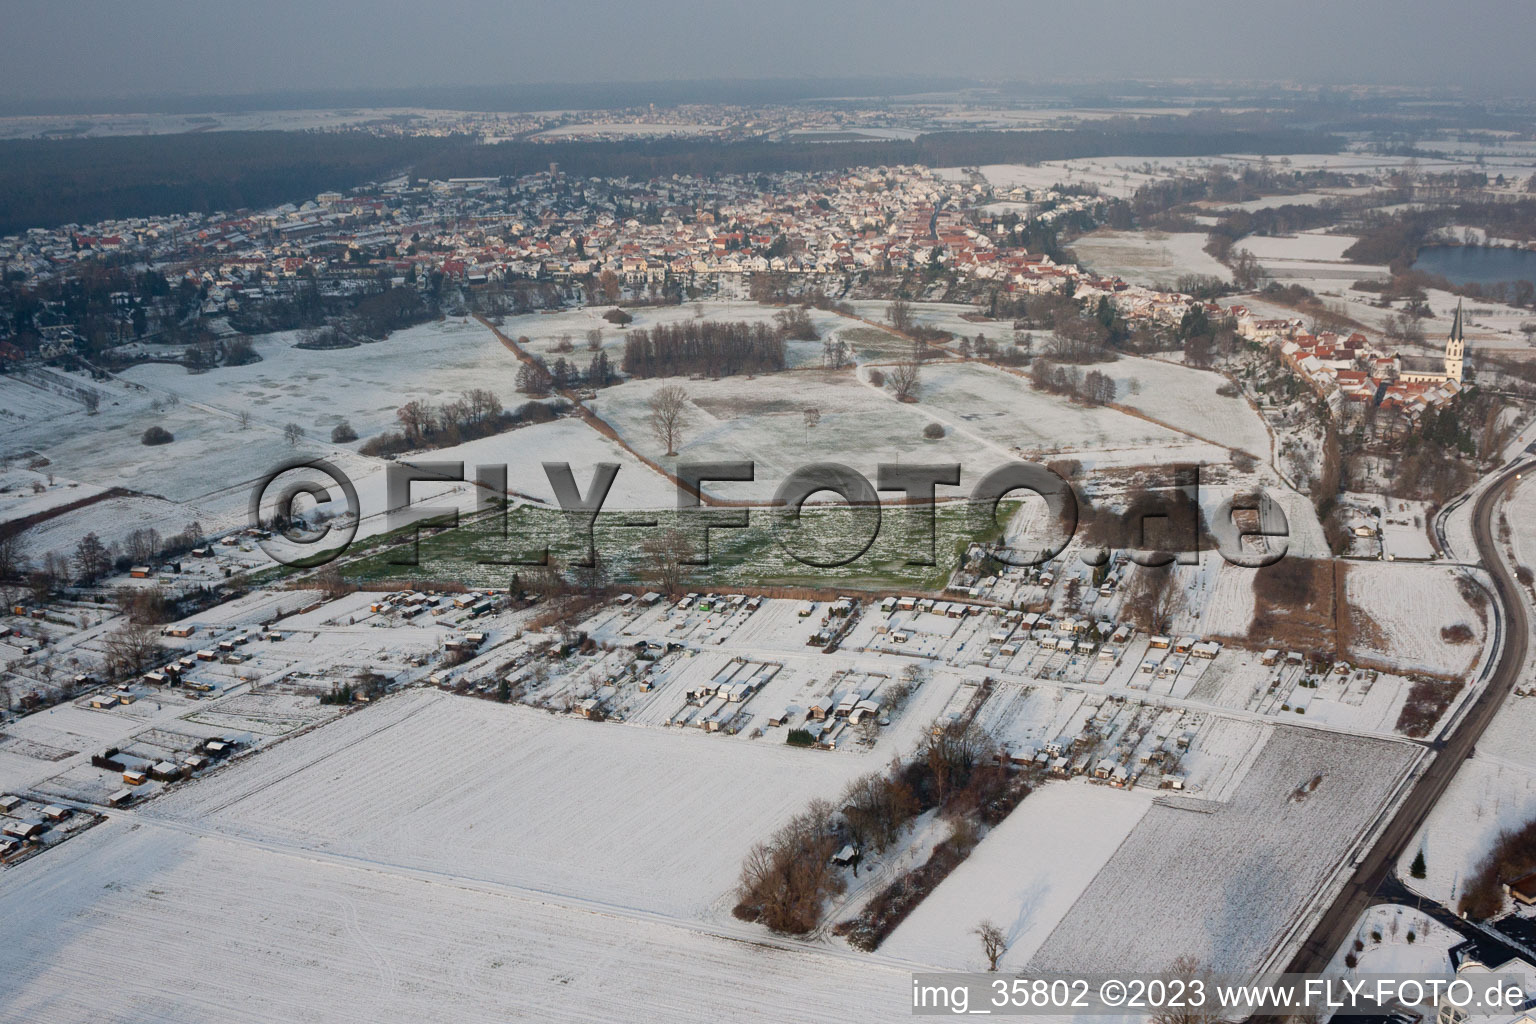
[{"x": 1473, "y": 264}]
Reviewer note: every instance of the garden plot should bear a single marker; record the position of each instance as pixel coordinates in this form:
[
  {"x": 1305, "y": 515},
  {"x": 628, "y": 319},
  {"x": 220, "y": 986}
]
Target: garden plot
[
  {"x": 639, "y": 818},
  {"x": 1232, "y": 877},
  {"x": 281, "y": 937},
  {"x": 1229, "y": 603},
  {"x": 262, "y": 714},
  {"x": 1024, "y": 718},
  {"x": 258, "y": 606},
  {"x": 1417, "y": 618},
  {"x": 1188, "y": 400},
  {"x": 1024, "y": 876},
  {"x": 1396, "y": 940},
  {"x": 1359, "y": 701},
  {"x": 1405, "y": 528}
]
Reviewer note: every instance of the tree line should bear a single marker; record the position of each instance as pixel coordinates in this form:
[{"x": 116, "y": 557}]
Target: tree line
[
  {"x": 476, "y": 413},
  {"x": 712, "y": 348}
]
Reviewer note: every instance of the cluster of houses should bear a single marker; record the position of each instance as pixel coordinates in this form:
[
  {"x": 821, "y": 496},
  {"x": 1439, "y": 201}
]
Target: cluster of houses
[
  {"x": 719, "y": 704},
  {"x": 1136, "y": 756},
  {"x": 850, "y": 698},
  {"x": 408, "y": 604},
  {"x": 137, "y": 771},
  {"x": 1351, "y": 373},
  {"x": 545, "y": 226},
  {"x": 26, "y": 824}
]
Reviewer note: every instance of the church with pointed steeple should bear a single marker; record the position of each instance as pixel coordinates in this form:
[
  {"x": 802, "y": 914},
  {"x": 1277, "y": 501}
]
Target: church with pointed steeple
[{"x": 1427, "y": 370}]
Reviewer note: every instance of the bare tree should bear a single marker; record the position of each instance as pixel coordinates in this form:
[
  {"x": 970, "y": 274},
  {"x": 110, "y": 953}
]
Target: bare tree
[
  {"x": 595, "y": 339},
  {"x": 416, "y": 417},
  {"x": 132, "y": 647},
  {"x": 482, "y": 404},
  {"x": 293, "y": 434},
  {"x": 13, "y": 557},
  {"x": 904, "y": 379},
  {"x": 1186, "y": 969},
  {"x": 245, "y": 420},
  {"x": 812, "y": 418},
  {"x": 669, "y": 415},
  {"x": 664, "y": 564},
  {"x": 91, "y": 559},
  {"x": 143, "y": 545},
  {"x": 993, "y": 943},
  {"x": 899, "y": 313},
  {"x": 834, "y": 352},
  {"x": 1155, "y": 598}
]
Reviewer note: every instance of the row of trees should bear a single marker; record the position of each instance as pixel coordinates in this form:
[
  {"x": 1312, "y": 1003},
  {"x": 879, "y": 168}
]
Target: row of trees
[
  {"x": 91, "y": 560},
  {"x": 475, "y": 413},
  {"x": 709, "y": 347},
  {"x": 786, "y": 880},
  {"x": 540, "y": 378},
  {"x": 1092, "y": 388}
]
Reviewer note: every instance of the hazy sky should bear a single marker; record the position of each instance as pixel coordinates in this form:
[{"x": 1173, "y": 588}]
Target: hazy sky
[{"x": 59, "y": 48}]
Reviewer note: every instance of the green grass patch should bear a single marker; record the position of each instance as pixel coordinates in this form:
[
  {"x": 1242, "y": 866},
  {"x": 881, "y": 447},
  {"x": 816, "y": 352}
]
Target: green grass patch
[{"x": 761, "y": 554}]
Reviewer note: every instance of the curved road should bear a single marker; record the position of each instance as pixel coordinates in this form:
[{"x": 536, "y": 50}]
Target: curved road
[{"x": 1337, "y": 924}]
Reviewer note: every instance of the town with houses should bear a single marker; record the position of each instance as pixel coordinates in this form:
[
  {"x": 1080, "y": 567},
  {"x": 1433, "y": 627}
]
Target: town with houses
[{"x": 576, "y": 596}]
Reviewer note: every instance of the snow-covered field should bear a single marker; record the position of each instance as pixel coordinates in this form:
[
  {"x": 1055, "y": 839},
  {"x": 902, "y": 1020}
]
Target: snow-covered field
[
  {"x": 763, "y": 420},
  {"x": 637, "y": 818},
  {"x": 20, "y": 495},
  {"x": 1312, "y": 259},
  {"x": 1024, "y": 876},
  {"x": 1187, "y": 399},
  {"x": 317, "y": 388},
  {"x": 989, "y": 416},
  {"x": 140, "y": 921},
  {"x": 1223, "y": 883},
  {"x": 1489, "y": 795},
  {"x": 524, "y": 450},
  {"x": 1411, "y": 605},
  {"x": 1148, "y": 257},
  {"x": 1495, "y": 789}
]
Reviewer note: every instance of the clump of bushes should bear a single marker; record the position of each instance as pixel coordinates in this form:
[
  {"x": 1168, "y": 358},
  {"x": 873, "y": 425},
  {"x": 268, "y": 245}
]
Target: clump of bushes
[
  {"x": 1513, "y": 856},
  {"x": 157, "y": 435},
  {"x": 342, "y": 432},
  {"x": 785, "y": 881},
  {"x": 933, "y": 431}
]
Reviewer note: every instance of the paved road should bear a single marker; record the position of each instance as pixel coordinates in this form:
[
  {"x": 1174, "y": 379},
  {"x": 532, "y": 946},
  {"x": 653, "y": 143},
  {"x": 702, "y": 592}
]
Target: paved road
[{"x": 1338, "y": 923}]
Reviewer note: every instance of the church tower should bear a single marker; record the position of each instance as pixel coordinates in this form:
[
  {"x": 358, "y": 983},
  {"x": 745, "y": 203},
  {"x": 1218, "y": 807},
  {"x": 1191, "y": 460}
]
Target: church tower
[{"x": 1453, "y": 348}]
